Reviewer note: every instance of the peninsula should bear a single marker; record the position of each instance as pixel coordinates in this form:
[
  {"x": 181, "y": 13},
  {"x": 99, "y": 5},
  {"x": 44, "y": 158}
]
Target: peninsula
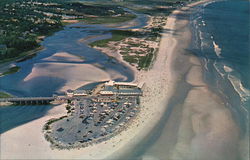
[{"x": 132, "y": 88}]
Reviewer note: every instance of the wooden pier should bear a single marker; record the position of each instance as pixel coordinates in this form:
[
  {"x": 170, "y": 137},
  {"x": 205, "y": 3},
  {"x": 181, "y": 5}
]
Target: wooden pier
[{"x": 29, "y": 100}]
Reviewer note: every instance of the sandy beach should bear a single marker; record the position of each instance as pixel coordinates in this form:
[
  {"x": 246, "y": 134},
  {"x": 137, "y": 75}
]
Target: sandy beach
[
  {"x": 187, "y": 131},
  {"x": 67, "y": 66},
  {"x": 152, "y": 104},
  {"x": 199, "y": 125}
]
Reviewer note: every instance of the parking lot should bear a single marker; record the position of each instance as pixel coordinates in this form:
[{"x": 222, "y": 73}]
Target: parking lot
[{"x": 92, "y": 121}]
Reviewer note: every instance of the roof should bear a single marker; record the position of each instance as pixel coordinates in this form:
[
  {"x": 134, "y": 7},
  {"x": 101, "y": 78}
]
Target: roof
[
  {"x": 140, "y": 85},
  {"x": 125, "y": 84},
  {"x": 135, "y": 90},
  {"x": 106, "y": 92},
  {"x": 80, "y": 92},
  {"x": 112, "y": 83}
]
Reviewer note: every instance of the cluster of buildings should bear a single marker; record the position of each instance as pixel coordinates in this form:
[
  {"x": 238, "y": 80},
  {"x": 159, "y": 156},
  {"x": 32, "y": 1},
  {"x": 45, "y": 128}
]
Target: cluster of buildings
[{"x": 111, "y": 88}]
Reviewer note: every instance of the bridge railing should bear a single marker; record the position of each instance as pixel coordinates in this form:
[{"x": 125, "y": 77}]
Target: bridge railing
[{"x": 26, "y": 99}]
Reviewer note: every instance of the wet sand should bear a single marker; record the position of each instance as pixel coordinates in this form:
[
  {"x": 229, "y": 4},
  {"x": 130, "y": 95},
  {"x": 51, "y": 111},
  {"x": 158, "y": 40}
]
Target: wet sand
[
  {"x": 196, "y": 128},
  {"x": 152, "y": 105},
  {"x": 71, "y": 69},
  {"x": 197, "y": 124}
]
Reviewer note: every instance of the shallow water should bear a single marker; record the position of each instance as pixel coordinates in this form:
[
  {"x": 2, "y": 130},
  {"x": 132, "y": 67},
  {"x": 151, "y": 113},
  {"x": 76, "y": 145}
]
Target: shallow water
[{"x": 220, "y": 40}]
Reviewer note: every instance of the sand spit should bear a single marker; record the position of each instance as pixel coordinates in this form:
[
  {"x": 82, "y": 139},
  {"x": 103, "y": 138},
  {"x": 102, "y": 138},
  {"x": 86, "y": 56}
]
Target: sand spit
[
  {"x": 200, "y": 126},
  {"x": 27, "y": 141},
  {"x": 71, "y": 69},
  {"x": 133, "y": 49},
  {"x": 64, "y": 56},
  {"x": 156, "y": 87},
  {"x": 70, "y": 21},
  {"x": 68, "y": 72}
]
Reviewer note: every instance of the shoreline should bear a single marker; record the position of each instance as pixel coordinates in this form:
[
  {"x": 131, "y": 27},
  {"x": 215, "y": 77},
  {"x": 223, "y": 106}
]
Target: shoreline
[
  {"x": 157, "y": 93},
  {"x": 6, "y": 64},
  {"x": 194, "y": 126},
  {"x": 9, "y": 63}
]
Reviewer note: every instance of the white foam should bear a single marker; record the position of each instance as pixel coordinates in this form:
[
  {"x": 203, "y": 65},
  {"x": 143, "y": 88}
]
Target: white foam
[
  {"x": 203, "y": 43},
  {"x": 227, "y": 69},
  {"x": 208, "y": 3},
  {"x": 219, "y": 69},
  {"x": 239, "y": 88},
  {"x": 206, "y": 61},
  {"x": 217, "y": 49},
  {"x": 200, "y": 35},
  {"x": 203, "y": 23}
]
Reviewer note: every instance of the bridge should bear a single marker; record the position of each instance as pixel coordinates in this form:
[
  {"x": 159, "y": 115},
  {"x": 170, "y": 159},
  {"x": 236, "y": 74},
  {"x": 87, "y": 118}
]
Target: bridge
[{"x": 29, "y": 100}]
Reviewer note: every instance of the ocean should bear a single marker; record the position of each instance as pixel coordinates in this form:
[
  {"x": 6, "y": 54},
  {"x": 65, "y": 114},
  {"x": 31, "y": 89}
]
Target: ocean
[{"x": 221, "y": 40}]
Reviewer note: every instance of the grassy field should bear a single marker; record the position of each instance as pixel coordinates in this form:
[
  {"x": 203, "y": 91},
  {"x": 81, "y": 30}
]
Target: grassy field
[
  {"x": 11, "y": 70},
  {"x": 23, "y": 55},
  {"x": 117, "y": 35},
  {"x": 150, "y": 7},
  {"x": 4, "y": 95},
  {"x": 145, "y": 62},
  {"x": 107, "y": 19},
  {"x": 23, "y": 21}
]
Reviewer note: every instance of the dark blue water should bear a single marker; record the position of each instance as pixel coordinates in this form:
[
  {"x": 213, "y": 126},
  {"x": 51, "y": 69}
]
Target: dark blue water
[
  {"x": 13, "y": 116},
  {"x": 221, "y": 40},
  {"x": 66, "y": 40}
]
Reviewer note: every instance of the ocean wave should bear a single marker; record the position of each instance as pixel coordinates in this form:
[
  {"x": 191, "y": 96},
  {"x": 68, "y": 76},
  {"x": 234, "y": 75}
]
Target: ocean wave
[
  {"x": 219, "y": 68},
  {"x": 203, "y": 42},
  {"x": 227, "y": 69},
  {"x": 203, "y": 23},
  {"x": 210, "y": 2},
  {"x": 206, "y": 61},
  {"x": 217, "y": 49},
  {"x": 243, "y": 92}
]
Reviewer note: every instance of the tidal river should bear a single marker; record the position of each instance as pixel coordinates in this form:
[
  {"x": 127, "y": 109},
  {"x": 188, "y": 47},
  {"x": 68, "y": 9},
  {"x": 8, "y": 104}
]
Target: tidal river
[{"x": 67, "y": 41}]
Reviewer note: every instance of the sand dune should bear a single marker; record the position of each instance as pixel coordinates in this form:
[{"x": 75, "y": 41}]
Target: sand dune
[
  {"x": 207, "y": 130},
  {"x": 63, "y": 65},
  {"x": 199, "y": 130},
  {"x": 64, "y": 56},
  {"x": 75, "y": 75},
  {"x": 152, "y": 104}
]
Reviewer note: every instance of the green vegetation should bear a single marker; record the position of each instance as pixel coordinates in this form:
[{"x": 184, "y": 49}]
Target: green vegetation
[
  {"x": 130, "y": 59},
  {"x": 144, "y": 62},
  {"x": 68, "y": 108},
  {"x": 11, "y": 70},
  {"x": 47, "y": 125},
  {"x": 108, "y": 19},
  {"x": 22, "y": 56},
  {"x": 117, "y": 35},
  {"x": 22, "y": 22},
  {"x": 150, "y": 7},
  {"x": 5, "y": 95}
]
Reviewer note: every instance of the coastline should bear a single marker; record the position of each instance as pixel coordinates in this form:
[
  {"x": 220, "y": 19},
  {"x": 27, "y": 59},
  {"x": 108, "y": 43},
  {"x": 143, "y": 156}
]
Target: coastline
[
  {"x": 158, "y": 90},
  {"x": 194, "y": 126},
  {"x": 5, "y": 65}
]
